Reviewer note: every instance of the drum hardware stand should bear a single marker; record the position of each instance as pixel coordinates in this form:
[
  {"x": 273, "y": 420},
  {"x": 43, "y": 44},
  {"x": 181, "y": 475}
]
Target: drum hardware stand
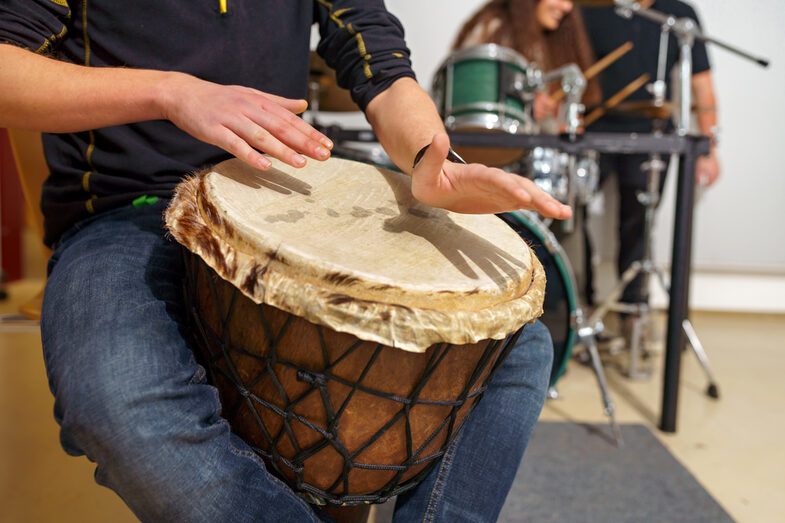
[
  {"x": 586, "y": 336},
  {"x": 644, "y": 267},
  {"x": 573, "y": 84},
  {"x": 686, "y": 31}
]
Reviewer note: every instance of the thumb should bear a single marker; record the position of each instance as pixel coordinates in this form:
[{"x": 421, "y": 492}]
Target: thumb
[
  {"x": 293, "y": 105},
  {"x": 434, "y": 157}
]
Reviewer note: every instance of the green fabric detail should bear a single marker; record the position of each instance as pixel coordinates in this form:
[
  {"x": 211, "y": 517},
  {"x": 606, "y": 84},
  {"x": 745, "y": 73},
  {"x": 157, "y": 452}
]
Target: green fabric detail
[{"x": 144, "y": 200}]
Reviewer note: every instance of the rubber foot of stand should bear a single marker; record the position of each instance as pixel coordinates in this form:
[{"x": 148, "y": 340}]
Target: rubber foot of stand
[
  {"x": 713, "y": 391},
  {"x": 3, "y": 294}
]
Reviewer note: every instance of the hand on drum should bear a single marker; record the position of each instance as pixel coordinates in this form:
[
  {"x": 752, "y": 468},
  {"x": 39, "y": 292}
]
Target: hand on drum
[
  {"x": 476, "y": 188},
  {"x": 243, "y": 121}
]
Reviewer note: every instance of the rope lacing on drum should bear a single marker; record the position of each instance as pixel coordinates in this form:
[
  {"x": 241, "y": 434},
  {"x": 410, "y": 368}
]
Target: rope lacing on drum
[{"x": 220, "y": 354}]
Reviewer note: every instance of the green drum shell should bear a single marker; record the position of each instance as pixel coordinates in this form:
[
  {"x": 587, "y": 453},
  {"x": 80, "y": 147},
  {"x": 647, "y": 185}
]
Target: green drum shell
[
  {"x": 476, "y": 82},
  {"x": 483, "y": 89}
]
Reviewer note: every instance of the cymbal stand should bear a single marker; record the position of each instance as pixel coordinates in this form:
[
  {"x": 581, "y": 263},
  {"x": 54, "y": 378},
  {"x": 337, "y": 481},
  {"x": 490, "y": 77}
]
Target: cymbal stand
[
  {"x": 573, "y": 84},
  {"x": 686, "y": 31},
  {"x": 643, "y": 267}
]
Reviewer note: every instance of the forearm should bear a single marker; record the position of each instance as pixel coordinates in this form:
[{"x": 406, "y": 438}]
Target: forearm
[
  {"x": 404, "y": 119},
  {"x": 705, "y": 102},
  {"x": 44, "y": 94}
]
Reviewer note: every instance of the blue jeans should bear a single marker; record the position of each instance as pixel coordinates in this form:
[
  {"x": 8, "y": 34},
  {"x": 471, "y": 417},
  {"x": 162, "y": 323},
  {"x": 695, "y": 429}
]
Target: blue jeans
[{"x": 130, "y": 396}]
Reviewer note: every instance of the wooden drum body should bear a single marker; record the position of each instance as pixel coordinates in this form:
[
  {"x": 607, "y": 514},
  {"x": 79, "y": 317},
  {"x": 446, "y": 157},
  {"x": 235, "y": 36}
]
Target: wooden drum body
[{"x": 347, "y": 353}]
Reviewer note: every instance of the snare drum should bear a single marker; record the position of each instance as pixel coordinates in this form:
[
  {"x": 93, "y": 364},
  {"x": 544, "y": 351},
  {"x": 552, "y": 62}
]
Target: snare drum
[
  {"x": 348, "y": 328},
  {"x": 486, "y": 89}
]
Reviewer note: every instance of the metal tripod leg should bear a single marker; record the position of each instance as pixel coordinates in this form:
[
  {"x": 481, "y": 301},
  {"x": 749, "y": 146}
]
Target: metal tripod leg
[
  {"x": 712, "y": 390},
  {"x": 586, "y": 338}
]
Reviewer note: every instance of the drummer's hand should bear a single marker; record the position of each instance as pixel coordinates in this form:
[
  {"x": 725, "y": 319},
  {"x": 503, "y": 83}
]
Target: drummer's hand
[
  {"x": 544, "y": 107},
  {"x": 475, "y": 188},
  {"x": 707, "y": 169},
  {"x": 243, "y": 121}
]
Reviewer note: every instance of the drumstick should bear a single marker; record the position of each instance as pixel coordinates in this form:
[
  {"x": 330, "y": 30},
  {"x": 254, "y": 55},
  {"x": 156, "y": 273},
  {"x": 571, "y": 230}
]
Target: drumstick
[
  {"x": 616, "y": 99},
  {"x": 597, "y": 68}
]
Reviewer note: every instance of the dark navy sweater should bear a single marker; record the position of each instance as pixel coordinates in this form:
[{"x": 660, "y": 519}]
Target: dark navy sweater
[{"x": 262, "y": 44}]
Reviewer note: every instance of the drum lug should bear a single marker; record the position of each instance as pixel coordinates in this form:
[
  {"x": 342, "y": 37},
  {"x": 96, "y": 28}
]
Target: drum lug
[{"x": 576, "y": 319}]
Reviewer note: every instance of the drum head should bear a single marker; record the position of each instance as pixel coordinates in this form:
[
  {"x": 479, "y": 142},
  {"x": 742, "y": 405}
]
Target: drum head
[{"x": 345, "y": 245}]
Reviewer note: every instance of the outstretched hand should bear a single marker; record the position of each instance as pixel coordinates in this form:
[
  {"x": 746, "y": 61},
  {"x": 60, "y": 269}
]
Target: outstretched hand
[
  {"x": 476, "y": 188},
  {"x": 244, "y": 122}
]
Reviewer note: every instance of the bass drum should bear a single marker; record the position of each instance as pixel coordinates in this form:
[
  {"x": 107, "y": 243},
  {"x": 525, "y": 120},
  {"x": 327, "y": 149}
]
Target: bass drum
[{"x": 560, "y": 306}]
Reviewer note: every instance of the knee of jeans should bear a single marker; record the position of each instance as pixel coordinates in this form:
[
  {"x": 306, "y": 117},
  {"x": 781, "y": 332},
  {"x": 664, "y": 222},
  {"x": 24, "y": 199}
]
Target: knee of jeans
[
  {"x": 530, "y": 360},
  {"x": 130, "y": 418}
]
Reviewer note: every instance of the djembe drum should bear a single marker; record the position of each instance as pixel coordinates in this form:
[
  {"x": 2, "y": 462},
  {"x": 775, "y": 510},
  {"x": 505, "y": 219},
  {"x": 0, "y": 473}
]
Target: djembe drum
[{"x": 348, "y": 328}]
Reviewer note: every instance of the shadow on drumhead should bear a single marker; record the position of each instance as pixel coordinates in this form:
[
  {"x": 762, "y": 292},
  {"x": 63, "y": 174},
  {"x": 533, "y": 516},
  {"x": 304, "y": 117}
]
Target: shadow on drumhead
[
  {"x": 457, "y": 244},
  {"x": 273, "y": 179}
]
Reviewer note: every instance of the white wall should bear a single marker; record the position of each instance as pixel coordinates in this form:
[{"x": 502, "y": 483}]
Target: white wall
[{"x": 740, "y": 222}]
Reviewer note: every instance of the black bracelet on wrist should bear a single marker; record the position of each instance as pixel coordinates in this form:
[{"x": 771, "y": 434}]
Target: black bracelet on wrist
[{"x": 452, "y": 156}]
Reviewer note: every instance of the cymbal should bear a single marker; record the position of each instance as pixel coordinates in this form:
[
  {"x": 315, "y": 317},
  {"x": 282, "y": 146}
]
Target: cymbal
[
  {"x": 645, "y": 108},
  {"x": 331, "y": 97}
]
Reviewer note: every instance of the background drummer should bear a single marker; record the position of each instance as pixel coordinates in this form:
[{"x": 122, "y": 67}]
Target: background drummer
[
  {"x": 607, "y": 31},
  {"x": 547, "y": 32},
  {"x": 131, "y": 107}
]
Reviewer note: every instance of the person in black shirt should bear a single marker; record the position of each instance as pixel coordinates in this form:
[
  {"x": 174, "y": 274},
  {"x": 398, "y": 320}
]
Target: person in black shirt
[
  {"x": 135, "y": 95},
  {"x": 607, "y": 31}
]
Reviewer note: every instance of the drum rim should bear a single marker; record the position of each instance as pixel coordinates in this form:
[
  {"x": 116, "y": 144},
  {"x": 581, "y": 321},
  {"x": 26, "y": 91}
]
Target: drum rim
[
  {"x": 492, "y": 116},
  {"x": 490, "y": 52},
  {"x": 552, "y": 245}
]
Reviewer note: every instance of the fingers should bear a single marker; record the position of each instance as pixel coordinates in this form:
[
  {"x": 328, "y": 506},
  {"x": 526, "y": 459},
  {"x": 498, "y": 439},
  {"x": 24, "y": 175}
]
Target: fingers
[
  {"x": 526, "y": 195},
  {"x": 477, "y": 189},
  {"x": 278, "y": 120},
  {"x": 239, "y": 147},
  {"x": 544, "y": 203},
  {"x": 707, "y": 170},
  {"x": 269, "y": 127},
  {"x": 278, "y": 138}
]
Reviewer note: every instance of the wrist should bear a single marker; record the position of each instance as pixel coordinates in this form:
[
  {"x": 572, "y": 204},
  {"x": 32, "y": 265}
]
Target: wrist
[
  {"x": 452, "y": 156},
  {"x": 164, "y": 93},
  {"x": 714, "y": 136}
]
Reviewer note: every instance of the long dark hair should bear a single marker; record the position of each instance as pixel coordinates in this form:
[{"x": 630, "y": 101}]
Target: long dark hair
[{"x": 518, "y": 27}]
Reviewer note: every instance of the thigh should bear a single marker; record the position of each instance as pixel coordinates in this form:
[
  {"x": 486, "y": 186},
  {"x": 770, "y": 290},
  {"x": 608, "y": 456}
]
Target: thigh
[
  {"x": 114, "y": 285},
  {"x": 128, "y": 392}
]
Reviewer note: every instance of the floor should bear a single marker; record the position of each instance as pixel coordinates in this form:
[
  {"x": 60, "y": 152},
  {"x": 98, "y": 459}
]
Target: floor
[{"x": 733, "y": 446}]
